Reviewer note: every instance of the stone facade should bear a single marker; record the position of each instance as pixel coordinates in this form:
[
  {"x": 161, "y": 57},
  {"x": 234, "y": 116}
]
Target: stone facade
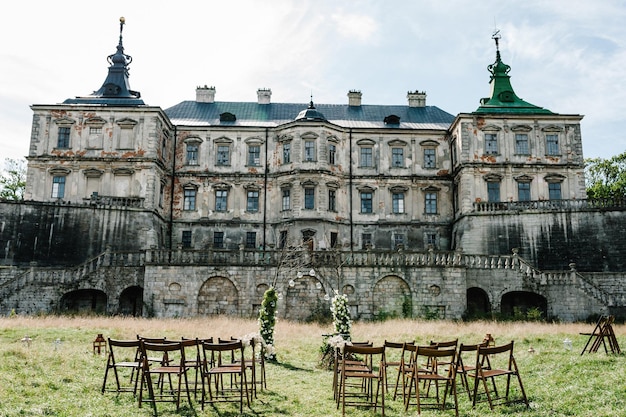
[{"x": 411, "y": 211}]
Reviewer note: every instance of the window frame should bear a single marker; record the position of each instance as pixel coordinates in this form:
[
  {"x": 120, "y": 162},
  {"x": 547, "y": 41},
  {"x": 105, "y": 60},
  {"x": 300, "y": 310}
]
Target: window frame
[
  {"x": 309, "y": 198},
  {"x": 332, "y": 200},
  {"x": 523, "y": 188},
  {"x": 430, "y": 163},
  {"x": 189, "y": 198},
  {"x": 286, "y": 199},
  {"x": 58, "y": 186},
  {"x": 555, "y": 188},
  {"x": 552, "y": 144},
  {"x": 397, "y": 202},
  {"x": 367, "y": 202},
  {"x": 430, "y": 202},
  {"x": 186, "y": 239},
  {"x": 63, "y": 139},
  {"x": 491, "y": 143},
  {"x": 191, "y": 154},
  {"x": 332, "y": 154},
  {"x": 287, "y": 153},
  {"x": 252, "y": 201},
  {"x": 366, "y": 156},
  {"x": 222, "y": 154},
  {"x": 218, "y": 240},
  {"x": 522, "y": 145},
  {"x": 221, "y": 201},
  {"x": 250, "y": 240},
  {"x": 254, "y": 155},
  {"x": 310, "y": 154},
  {"x": 397, "y": 157},
  {"x": 493, "y": 191}
]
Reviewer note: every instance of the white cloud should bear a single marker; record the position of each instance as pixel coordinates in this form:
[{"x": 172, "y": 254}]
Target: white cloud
[{"x": 359, "y": 27}]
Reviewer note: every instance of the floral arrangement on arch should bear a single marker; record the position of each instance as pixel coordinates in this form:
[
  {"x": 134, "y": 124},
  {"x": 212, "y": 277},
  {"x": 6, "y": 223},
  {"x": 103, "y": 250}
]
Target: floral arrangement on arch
[
  {"x": 267, "y": 321},
  {"x": 341, "y": 315}
]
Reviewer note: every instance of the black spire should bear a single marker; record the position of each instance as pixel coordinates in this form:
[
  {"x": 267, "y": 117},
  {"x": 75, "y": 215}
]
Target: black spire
[{"x": 116, "y": 89}]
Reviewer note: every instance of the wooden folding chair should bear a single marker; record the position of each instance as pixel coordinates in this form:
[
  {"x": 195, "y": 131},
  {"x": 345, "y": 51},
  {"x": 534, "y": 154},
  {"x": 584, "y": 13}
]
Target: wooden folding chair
[
  {"x": 392, "y": 361},
  {"x": 466, "y": 370},
  {"x": 501, "y": 364},
  {"x": 193, "y": 360},
  {"x": 440, "y": 369},
  {"x": 123, "y": 354},
  {"x": 234, "y": 368},
  {"x": 405, "y": 369},
  {"x": 341, "y": 359},
  {"x": 602, "y": 332},
  {"x": 361, "y": 391},
  {"x": 172, "y": 366}
]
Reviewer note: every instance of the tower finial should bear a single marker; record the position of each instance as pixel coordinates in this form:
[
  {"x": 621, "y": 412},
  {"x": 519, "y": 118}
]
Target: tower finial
[{"x": 496, "y": 37}]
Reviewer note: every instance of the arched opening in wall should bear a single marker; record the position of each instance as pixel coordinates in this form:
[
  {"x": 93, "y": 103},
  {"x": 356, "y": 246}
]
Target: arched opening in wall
[
  {"x": 218, "y": 295},
  {"x": 524, "y": 305},
  {"x": 131, "y": 301},
  {"x": 304, "y": 300},
  {"x": 84, "y": 301},
  {"x": 392, "y": 298},
  {"x": 478, "y": 305}
]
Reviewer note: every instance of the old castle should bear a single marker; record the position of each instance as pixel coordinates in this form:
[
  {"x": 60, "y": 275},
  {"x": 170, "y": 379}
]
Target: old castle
[{"x": 411, "y": 211}]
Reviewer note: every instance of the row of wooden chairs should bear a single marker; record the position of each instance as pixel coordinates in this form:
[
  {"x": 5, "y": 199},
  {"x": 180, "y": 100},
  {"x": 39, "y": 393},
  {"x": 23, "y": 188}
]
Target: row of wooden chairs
[
  {"x": 426, "y": 376},
  {"x": 163, "y": 369}
]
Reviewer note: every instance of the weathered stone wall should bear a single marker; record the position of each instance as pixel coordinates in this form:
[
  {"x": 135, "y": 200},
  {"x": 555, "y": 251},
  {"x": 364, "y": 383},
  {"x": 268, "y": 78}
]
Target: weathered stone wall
[
  {"x": 593, "y": 240},
  {"x": 59, "y": 234}
]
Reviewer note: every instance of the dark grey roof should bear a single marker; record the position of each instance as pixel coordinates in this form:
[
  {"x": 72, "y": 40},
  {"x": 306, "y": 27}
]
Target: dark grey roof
[{"x": 192, "y": 113}]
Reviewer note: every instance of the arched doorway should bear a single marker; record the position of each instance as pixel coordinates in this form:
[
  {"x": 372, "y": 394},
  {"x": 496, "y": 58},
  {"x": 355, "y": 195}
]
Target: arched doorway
[
  {"x": 478, "y": 304},
  {"x": 131, "y": 301},
  {"x": 84, "y": 301},
  {"x": 517, "y": 304},
  {"x": 218, "y": 295},
  {"x": 392, "y": 298}
]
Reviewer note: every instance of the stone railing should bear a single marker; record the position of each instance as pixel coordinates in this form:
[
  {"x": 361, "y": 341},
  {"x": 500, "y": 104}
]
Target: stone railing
[
  {"x": 113, "y": 201},
  {"x": 550, "y": 205}
]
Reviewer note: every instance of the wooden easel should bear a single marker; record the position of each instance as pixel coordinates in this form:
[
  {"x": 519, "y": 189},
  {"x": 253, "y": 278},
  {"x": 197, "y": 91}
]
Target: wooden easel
[{"x": 602, "y": 331}]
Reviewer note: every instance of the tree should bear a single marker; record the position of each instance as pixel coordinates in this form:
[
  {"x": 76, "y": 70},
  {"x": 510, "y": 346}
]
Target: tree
[
  {"x": 606, "y": 178},
  {"x": 13, "y": 179}
]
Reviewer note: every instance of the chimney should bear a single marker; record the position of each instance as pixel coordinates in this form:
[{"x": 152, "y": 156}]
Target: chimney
[
  {"x": 205, "y": 94},
  {"x": 416, "y": 98},
  {"x": 264, "y": 95},
  {"x": 354, "y": 98}
]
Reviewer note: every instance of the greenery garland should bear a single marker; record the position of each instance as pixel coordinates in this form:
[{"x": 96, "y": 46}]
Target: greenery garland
[{"x": 267, "y": 321}]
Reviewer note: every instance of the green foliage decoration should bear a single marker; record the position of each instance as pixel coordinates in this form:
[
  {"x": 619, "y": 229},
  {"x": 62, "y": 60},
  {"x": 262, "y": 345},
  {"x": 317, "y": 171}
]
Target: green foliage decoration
[{"x": 267, "y": 321}]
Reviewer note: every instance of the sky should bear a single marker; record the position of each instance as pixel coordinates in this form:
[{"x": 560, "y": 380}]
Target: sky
[{"x": 568, "y": 56}]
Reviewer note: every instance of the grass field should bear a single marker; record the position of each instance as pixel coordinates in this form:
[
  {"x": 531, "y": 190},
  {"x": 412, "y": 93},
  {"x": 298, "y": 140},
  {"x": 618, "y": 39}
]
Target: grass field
[{"x": 58, "y": 374}]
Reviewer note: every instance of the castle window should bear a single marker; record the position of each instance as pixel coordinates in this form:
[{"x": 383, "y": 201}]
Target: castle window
[
  {"x": 554, "y": 190},
  {"x": 429, "y": 158},
  {"x": 366, "y": 240},
  {"x": 333, "y": 239},
  {"x": 309, "y": 198},
  {"x": 521, "y": 144},
  {"x": 431, "y": 240},
  {"x": 397, "y": 157},
  {"x": 64, "y": 138},
  {"x": 366, "y": 202},
  {"x": 309, "y": 150},
  {"x": 189, "y": 199},
  {"x": 58, "y": 187},
  {"x": 430, "y": 203},
  {"x": 493, "y": 192},
  {"x": 286, "y": 199},
  {"x": 282, "y": 239},
  {"x": 254, "y": 155},
  {"x": 332, "y": 200},
  {"x": 332, "y": 151},
  {"x": 250, "y": 240},
  {"x": 398, "y": 240},
  {"x": 523, "y": 191},
  {"x": 552, "y": 144},
  {"x": 186, "y": 239},
  {"x": 286, "y": 153},
  {"x": 367, "y": 156},
  {"x": 491, "y": 143},
  {"x": 223, "y": 155},
  {"x": 218, "y": 240},
  {"x": 221, "y": 200},
  {"x": 397, "y": 202},
  {"x": 252, "y": 205},
  {"x": 192, "y": 154}
]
